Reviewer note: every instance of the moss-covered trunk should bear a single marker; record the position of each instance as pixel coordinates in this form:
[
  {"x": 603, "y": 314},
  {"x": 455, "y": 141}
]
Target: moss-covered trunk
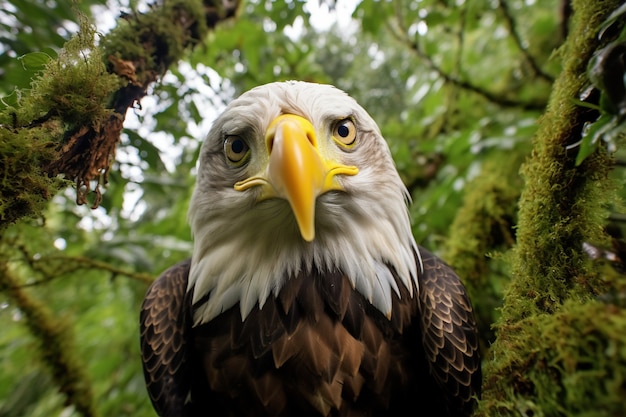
[{"x": 559, "y": 351}]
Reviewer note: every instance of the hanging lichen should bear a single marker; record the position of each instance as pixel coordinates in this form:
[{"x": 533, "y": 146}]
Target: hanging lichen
[
  {"x": 69, "y": 95},
  {"x": 68, "y": 125}
]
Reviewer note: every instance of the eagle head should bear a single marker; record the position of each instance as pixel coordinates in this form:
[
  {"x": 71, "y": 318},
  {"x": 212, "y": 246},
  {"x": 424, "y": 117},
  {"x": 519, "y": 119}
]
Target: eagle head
[{"x": 294, "y": 176}]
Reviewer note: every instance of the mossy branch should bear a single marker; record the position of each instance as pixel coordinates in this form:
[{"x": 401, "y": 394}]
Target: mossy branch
[
  {"x": 57, "y": 265},
  {"x": 56, "y": 344},
  {"x": 69, "y": 124},
  {"x": 482, "y": 229}
]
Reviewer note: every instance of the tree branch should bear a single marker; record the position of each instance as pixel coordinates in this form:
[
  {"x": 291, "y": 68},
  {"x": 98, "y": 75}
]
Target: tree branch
[
  {"x": 56, "y": 344},
  {"x": 401, "y": 35},
  {"x": 84, "y": 94},
  {"x": 57, "y": 265},
  {"x": 139, "y": 51},
  {"x": 510, "y": 23}
]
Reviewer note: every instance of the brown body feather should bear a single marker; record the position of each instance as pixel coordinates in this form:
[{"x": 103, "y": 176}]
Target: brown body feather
[
  {"x": 306, "y": 295},
  {"x": 318, "y": 348}
]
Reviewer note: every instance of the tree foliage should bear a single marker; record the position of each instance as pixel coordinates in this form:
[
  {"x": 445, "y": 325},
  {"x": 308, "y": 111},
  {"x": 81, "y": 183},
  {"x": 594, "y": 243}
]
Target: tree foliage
[{"x": 504, "y": 118}]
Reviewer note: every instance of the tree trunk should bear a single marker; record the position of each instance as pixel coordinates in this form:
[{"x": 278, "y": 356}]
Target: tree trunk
[{"x": 557, "y": 347}]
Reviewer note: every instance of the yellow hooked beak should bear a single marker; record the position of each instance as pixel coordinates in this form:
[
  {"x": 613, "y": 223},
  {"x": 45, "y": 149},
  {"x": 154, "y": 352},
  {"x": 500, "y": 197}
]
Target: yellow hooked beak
[{"x": 296, "y": 170}]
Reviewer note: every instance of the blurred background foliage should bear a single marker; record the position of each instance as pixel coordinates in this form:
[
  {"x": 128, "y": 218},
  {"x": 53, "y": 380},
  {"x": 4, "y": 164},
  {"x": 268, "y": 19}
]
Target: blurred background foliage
[{"x": 457, "y": 88}]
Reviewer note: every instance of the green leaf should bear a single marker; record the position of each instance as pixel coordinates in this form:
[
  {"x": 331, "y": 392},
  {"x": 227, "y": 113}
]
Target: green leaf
[
  {"x": 613, "y": 18},
  {"x": 591, "y": 136},
  {"x": 34, "y": 60}
]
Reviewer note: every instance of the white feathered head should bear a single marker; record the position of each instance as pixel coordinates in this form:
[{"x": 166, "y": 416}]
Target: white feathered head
[{"x": 295, "y": 176}]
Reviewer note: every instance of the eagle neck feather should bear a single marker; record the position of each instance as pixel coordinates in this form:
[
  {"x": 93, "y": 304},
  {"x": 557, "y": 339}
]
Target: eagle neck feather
[
  {"x": 247, "y": 260},
  {"x": 245, "y": 250}
]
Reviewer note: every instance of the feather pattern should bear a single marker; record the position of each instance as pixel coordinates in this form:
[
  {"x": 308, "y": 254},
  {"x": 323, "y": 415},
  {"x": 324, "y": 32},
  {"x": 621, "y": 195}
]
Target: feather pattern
[
  {"x": 448, "y": 329},
  {"x": 357, "y": 235},
  {"x": 164, "y": 323},
  {"x": 359, "y": 321},
  {"x": 316, "y": 351}
]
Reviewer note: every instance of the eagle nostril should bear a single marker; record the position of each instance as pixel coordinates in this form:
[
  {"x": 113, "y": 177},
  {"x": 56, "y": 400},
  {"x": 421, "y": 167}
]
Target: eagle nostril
[
  {"x": 269, "y": 143},
  {"x": 311, "y": 137}
]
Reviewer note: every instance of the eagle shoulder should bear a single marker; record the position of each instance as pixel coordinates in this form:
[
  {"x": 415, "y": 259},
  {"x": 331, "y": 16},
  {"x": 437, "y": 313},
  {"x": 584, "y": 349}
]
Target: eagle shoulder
[
  {"x": 164, "y": 330},
  {"x": 449, "y": 333}
]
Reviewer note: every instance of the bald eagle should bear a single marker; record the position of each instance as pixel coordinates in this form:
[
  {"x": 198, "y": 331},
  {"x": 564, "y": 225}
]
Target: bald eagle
[{"x": 306, "y": 293}]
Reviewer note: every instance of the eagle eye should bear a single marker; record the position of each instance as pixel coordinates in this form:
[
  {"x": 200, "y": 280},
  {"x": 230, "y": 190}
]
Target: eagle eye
[
  {"x": 236, "y": 150},
  {"x": 344, "y": 133}
]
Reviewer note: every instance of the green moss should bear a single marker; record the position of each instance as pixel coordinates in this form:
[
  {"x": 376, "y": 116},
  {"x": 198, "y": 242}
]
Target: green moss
[
  {"x": 565, "y": 364},
  {"x": 154, "y": 40},
  {"x": 54, "y": 338},
  {"x": 482, "y": 229},
  {"x": 72, "y": 91},
  {"x": 561, "y": 205},
  {"x": 74, "y": 88},
  {"x": 24, "y": 187},
  {"x": 559, "y": 351}
]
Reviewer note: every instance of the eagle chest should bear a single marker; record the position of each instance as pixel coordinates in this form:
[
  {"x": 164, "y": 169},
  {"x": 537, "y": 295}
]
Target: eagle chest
[
  {"x": 301, "y": 170},
  {"x": 317, "y": 348}
]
